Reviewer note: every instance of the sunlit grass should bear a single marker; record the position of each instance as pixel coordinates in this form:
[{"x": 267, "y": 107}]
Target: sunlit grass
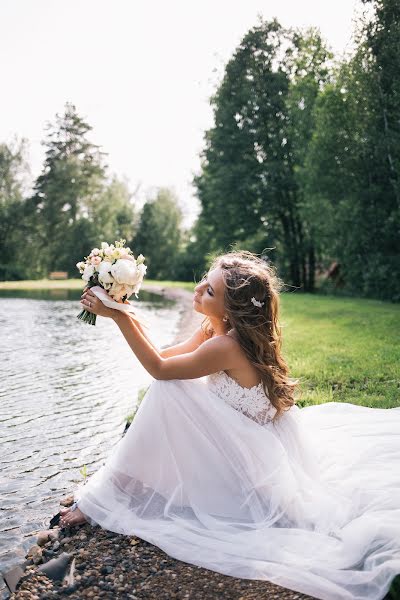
[
  {"x": 42, "y": 284},
  {"x": 343, "y": 349}
]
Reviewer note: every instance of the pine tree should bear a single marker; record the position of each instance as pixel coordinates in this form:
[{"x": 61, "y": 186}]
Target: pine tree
[{"x": 72, "y": 178}]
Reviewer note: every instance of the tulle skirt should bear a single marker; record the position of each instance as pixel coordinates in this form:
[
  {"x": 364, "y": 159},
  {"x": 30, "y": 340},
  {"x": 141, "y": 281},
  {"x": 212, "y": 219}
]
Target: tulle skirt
[{"x": 311, "y": 502}]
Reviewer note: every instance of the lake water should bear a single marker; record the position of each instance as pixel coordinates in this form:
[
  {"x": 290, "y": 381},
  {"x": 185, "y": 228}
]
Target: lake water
[{"x": 65, "y": 391}]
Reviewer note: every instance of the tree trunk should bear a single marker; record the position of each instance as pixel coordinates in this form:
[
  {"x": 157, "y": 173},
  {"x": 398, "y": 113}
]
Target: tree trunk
[
  {"x": 290, "y": 243},
  {"x": 311, "y": 269}
]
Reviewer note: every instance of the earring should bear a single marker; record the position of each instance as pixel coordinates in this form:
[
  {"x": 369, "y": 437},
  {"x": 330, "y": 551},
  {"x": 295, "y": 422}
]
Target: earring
[{"x": 225, "y": 319}]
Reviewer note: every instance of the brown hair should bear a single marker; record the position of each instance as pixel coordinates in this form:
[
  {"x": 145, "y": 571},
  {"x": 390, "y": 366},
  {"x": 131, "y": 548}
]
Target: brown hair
[{"x": 247, "y": 276}]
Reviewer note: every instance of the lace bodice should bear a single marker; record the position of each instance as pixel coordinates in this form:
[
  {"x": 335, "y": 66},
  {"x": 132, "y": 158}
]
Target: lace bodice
[{"x": 252, "y": 402}]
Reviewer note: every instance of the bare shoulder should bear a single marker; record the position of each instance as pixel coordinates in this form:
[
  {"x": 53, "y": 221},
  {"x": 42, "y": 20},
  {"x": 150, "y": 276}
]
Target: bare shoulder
[
  {"x": 199, "y": 336},
  {"x": 225, "y": 343}
]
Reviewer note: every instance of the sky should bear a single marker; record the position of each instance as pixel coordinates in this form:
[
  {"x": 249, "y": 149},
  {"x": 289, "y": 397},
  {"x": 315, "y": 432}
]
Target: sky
[{"x": 140, "y": 72}]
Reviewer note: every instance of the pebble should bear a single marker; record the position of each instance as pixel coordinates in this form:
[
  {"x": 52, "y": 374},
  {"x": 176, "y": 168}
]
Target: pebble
[
  {"x": 65, "y": 541},
  {"x": 112, "y": 566},
  {"x": 46, "y": 536}
]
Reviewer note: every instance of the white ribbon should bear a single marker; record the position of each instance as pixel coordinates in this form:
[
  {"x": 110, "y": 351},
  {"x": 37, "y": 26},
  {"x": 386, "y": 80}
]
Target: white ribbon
[{"x": 110, "y": 303}]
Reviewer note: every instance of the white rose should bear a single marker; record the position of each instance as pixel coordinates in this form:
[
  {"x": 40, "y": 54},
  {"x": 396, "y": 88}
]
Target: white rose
[
  {"x": 140, "y": 259},
  {"x": 88, "y": 272},
  {"x": 124, "y": 271},
  {"x": 95, "y": 252},
  {"x": 81, "y": 266},
  {"x": 104, "y": 245}
]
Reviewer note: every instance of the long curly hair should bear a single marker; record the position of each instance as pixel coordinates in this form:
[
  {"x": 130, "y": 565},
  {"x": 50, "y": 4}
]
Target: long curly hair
[{"x": 247, "y": 276}]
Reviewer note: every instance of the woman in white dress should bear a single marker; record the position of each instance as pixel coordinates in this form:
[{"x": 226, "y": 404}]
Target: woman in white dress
[{"x": 222, "y": 470}]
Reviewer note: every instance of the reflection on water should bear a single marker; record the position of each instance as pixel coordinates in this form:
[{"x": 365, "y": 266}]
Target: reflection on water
[
  {"x": 60, "y": 294},
  {"x": 65, "y": 390}
]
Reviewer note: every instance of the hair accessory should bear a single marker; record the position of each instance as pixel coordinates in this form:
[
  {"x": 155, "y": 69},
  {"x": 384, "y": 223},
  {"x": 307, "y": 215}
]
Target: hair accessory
[{"x": 257, "y": 303}]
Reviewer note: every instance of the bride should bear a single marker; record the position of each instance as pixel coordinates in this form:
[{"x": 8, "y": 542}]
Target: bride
[{"x": 222, "y": 470}]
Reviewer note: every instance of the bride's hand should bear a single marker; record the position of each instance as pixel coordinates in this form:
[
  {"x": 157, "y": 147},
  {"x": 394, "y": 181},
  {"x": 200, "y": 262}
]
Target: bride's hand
[{"x": 92, "y": 304}]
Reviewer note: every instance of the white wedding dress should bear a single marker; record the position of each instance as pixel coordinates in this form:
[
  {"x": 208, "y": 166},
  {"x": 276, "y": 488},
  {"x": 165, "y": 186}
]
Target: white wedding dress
[{"x": 310, "y": 502}]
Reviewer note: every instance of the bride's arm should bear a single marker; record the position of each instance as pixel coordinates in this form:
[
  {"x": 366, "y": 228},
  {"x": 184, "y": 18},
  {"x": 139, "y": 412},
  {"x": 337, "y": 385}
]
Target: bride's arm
[
  {"x": 215, "y": 354},
  {"x": 188, "y": 345},
  {"x": 182, "y": 348}
]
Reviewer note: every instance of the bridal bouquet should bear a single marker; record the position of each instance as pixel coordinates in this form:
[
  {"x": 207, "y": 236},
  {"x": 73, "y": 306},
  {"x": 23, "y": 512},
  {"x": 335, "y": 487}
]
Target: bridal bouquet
[{"x": 113, "y": 274}]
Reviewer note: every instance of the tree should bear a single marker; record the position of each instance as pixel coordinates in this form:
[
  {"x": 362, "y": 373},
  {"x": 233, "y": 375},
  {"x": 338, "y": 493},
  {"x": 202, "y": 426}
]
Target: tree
[
  {"x": 113, "y": 214},
  {"x": 309, "y": 68},
  {"x": 13, "y": 170},
  {"x": 353, "y": 163},
  {"x": 249, "y": 185},
  {"x": 70, "y": 184},
  {"x": 159, "y": 235}
]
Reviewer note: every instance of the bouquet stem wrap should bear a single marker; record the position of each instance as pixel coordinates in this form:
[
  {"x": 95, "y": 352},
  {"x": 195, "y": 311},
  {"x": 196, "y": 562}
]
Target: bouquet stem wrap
[{"x": 106, "y": 299}]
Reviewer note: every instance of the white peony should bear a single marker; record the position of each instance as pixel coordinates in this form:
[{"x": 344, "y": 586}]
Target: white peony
[
  {"x": 130, "y": 257},
  {"x": 140, "y": 273},
  {"x": 124, "y": 271},
  {"x": 142, "y": 269},
  {"x": 105, "y": 276},
  {"x": 88, "y": 272}
]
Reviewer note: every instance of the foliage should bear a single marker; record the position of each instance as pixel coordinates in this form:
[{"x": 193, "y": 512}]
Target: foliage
[
  {"x": 141, "y": 394},
  {"x": 159, "y": 234},
  {"x": 69, "y": 186},
  {"x": 113, "y": 215},
  {"x": 72, "y": 208},
  {"x": 13, "y": 169},
  {"x": 302, "y": 163},
  {"x": 249, "y": 187},
  {"x": 84, "y": 473},
  {"x": 304, "y": 156},
  {"x": 353, "y": 164}
]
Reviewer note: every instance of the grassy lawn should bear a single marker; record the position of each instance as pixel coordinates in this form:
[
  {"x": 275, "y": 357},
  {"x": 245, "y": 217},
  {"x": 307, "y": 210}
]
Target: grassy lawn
[{"x": 341, "y": 349}]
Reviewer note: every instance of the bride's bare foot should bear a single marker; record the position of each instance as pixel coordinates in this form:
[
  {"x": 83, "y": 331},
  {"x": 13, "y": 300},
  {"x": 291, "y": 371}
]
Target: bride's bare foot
[{"x": 71, "y": 517}]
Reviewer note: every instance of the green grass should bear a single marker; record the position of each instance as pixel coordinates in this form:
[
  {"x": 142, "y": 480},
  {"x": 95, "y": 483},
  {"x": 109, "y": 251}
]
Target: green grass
[
  {"x": 341, "y": 349},
  {"x": 77, "y": 284}
]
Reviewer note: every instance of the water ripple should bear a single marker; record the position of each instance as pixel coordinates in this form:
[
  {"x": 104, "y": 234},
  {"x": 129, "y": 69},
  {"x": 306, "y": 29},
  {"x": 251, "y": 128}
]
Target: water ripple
[{"x": 65, "y": 390}]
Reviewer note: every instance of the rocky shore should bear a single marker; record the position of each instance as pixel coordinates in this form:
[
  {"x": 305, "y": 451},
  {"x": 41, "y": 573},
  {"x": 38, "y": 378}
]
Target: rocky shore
[{"x": 88, "y": 562}]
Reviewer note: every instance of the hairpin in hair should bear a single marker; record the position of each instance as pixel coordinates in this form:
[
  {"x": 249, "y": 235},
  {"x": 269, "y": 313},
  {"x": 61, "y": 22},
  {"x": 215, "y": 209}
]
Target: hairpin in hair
[{"x": 257, "y": 302}]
